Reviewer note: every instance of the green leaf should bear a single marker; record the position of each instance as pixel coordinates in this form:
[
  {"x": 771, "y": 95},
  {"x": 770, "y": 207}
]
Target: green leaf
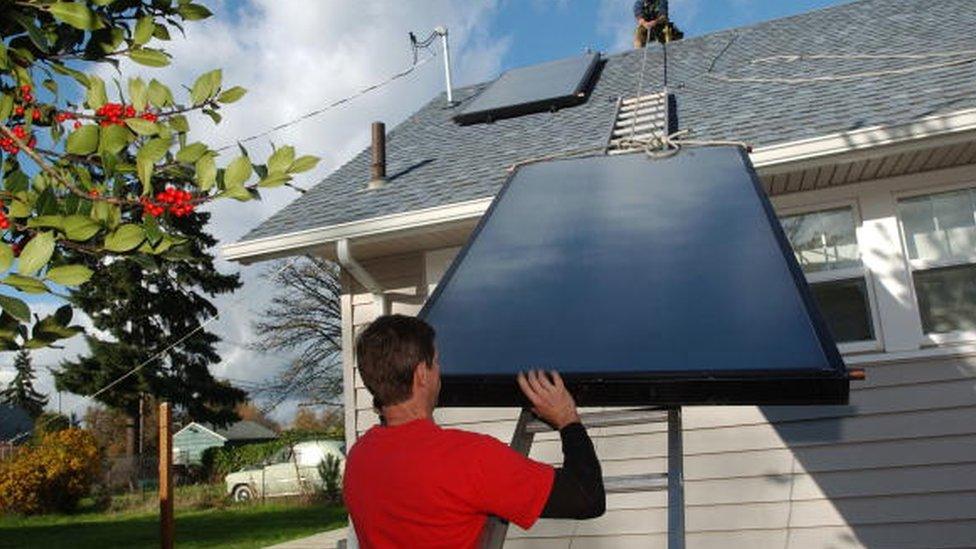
[
  {"x": 237, "y": 193},
  {"x": 237, "y": 172},
  {"x": 149, "y": 57},
  {"x": 179, "y": 123},
  {"x": 193, "y": 12},
  {"x": 6, "y": 106},
  {"x": 191, "y": 153},
  {"x": 206, "y": 86},
  {"x": 154, "y": 149},
  {"x": 102, "y": 2},
  {"x": 80, "y": 227},
  {"x": 144, "y": 30},
  {"x": 281, "y": 159},
  {"x": 232, "y": 95},
  {"x": 79, "y": 76},
  {"x": 142, "y": 127},
  {"x": 206, "y": 172},
  {"x": 6, "y": 256},
  {"x": 25, "y": 284},
  {"x": 161, "y": 33},
  {"x": 159, "y": 95},
  {"x": 138, "y": 93},
  {"x": 126, "y": 237},
  {"x": 274, "y": 180},
  {"x": 214, "y": 115},
  {"x": 36, "y": 254},
  {"x": 83, "y": 141},
  {"x": 303, "y": 164},
  {"x": 47, "y": 222},
  {"x": 69, "y": 275},
  {"x": 15, "y": 308},
  {"x": 19, "y": 207},
  {"x": 75, "y": 14},
  {"x": 35, "y": 34},
  {"x": 113, "y": 139},
  {"x": 95, "y": 95}
]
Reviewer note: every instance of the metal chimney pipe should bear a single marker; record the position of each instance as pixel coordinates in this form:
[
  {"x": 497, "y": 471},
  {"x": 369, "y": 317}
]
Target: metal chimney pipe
[{"x": 378, "y": 171}]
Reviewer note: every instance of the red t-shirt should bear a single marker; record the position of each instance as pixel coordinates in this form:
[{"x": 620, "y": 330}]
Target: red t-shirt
[{"x": 418, "y": 485}]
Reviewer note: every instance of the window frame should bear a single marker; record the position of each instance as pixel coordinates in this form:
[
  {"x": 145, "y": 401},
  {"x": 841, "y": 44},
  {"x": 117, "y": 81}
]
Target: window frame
[
  {"x": 947, "y": 338},
  {"x": 847, "y": 273}
]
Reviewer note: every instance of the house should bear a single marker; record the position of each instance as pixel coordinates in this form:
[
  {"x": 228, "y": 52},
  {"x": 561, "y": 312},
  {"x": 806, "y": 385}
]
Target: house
[
  {"x": 862, "y": 119},
  {"x": 191, "y": 441},
  {"x": 14, "y": 422}
]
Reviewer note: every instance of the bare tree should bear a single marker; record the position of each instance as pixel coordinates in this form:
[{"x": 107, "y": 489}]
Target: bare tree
[{"x": 304, "y": 318}]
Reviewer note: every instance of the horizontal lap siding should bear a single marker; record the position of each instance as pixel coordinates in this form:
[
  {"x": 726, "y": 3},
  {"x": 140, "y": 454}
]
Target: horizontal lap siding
[{"x": 895, "y": 468}]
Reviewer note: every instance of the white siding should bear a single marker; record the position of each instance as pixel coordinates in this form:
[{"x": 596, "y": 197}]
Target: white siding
[{"x": 895, "y": 468}]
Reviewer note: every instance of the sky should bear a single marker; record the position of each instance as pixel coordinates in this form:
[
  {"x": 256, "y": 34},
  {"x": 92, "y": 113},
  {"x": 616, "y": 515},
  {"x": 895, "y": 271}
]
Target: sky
[{"x": 295, "y": 56}]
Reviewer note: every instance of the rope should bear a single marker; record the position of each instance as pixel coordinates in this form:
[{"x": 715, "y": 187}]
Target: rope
[{"x": 853, "y": 76}]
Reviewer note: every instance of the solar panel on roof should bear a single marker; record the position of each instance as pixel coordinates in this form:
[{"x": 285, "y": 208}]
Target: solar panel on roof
[
  {"x": 537, "y": 88},
  {"x": 661, "y": 282}
]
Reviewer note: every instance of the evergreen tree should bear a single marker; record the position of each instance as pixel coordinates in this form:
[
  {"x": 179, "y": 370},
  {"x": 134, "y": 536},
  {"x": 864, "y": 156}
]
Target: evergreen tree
[
  {"x": 145, "y": 305},
  {"x": 20, "y": 392}
]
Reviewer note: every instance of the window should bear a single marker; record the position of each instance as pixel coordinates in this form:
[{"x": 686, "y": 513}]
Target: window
[
  {"x": 940, "y": 240},
  {"x": 825, "y": 245}
]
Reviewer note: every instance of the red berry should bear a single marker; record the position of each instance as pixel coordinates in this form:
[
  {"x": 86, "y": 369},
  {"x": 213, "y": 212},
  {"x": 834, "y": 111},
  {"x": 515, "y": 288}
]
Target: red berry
[
  {"x": 36, "y": 115},
  {"x": 19, "y": 110},
  {"x": 77, "y": 124},
  {"x": 26, "y": 88}
]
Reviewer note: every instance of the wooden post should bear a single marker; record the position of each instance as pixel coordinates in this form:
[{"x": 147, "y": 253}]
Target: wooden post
[{"x": 165, "y": 476}]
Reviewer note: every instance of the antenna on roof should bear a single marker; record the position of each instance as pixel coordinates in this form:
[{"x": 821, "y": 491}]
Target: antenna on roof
[{"x": 440, "y": 31}]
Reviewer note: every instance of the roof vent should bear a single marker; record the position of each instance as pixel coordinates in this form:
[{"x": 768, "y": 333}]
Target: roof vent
[{"x": 378, "y": 167}]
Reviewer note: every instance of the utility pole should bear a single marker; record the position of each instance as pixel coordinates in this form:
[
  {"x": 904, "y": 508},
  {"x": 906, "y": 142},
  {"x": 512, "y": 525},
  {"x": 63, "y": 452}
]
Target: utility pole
[{"x": 165, "y": 476}]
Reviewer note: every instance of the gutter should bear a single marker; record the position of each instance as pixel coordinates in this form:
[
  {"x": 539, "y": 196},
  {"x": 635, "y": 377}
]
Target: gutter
[
  {"x": 947, "y": 128},
  {"x": 361, "y": 275}
]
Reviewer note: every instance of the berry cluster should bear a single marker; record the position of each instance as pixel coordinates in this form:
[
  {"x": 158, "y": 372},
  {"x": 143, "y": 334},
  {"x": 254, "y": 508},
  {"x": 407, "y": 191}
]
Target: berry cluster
[
  {"x": 65, "y": 116},
  {"x": 176, "y": 201},
  {"x": 9, "y": 146},
  {"x": 26, "y": 99},
  {"x": 114, "y": 113},
  {"x": 4, "y": 221}
]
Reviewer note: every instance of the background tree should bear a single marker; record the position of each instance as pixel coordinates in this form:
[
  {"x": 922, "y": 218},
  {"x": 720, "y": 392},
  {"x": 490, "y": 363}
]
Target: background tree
[
  {"x": 304, "y": 318},
  {"x": 137, "y": 302},
  {"x": 248, "y": 411},
  {"x": 20, "y": 391},
  {"x": 89, "y": 173},
  {"x": 329, "y": 422}
]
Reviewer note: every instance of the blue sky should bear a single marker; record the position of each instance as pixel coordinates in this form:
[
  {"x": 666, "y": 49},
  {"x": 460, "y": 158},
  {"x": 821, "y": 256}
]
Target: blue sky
[{"x": 541, "y": 30}]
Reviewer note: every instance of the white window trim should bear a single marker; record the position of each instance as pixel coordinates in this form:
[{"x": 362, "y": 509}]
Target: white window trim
[
  {"x": 848, "y": 273},
  {"x": 957, "y": 337}
]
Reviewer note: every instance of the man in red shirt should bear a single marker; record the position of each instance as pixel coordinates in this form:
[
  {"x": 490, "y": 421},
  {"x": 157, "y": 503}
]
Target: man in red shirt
[{"x": 410, "y": 483}]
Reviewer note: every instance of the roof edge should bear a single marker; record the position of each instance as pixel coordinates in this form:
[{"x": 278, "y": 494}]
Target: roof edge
[
  {"x": 772, "y": 159},
  {"x": 202, "y": 426}
]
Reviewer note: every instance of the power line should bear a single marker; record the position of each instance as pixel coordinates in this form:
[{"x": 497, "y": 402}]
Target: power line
[{"x": 402, "y": 74}]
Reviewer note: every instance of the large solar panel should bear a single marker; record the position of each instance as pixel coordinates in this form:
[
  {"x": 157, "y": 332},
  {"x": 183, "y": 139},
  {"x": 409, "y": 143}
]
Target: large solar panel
[
  {"x": 658, "y": 282},
  {"x": 532, "y": 89}
]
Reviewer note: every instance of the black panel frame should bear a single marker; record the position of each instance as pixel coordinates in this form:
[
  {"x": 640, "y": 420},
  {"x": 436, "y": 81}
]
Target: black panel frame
[
  {"x": 674, "y": 388},
  {"x": 579, "y": 96}
]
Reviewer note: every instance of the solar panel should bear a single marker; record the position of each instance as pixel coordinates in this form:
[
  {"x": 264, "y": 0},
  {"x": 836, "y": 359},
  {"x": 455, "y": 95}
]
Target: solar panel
[
  {"x": 532, "y": 89},
  {"x": 657, "y": 282}
]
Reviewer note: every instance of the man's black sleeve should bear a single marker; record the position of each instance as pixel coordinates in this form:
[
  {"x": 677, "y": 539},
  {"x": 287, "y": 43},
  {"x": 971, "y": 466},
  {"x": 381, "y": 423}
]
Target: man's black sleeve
[{"x": 577, "y": 491}]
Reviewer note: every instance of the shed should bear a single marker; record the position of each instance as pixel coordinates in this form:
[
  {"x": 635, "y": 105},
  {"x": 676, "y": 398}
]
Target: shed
[{"x": 191, "y": 441}]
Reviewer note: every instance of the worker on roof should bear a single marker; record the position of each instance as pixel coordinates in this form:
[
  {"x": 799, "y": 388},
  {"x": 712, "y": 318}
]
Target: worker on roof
[
  {"x": 652, "y": 20},
  {"x": 411, "y": 483}
]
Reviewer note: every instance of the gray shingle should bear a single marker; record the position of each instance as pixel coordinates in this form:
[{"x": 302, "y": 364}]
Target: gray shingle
[{"x": 432, "y": 161}]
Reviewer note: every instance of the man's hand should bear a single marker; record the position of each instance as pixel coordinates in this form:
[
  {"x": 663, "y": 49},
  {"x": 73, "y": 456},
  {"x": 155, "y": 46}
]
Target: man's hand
[{"x": 549, "y": 397}]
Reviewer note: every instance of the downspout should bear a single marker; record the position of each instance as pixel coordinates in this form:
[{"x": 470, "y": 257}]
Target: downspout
[{"x": 360, "y": 274}]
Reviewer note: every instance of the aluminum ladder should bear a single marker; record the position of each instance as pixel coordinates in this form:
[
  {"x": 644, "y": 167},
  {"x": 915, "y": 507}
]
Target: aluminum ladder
[{"x": 528, "y": 426}]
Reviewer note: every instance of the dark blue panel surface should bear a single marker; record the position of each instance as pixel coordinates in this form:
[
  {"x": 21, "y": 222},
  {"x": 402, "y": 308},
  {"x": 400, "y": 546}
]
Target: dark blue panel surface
[
  {"x": 625, "y": 273},
  {"x": 532, "y": 89}
]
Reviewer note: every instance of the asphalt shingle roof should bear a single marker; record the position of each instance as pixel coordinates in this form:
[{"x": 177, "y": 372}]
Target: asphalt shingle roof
[
  {"x": 433, "y": 162},
  {"x": 244, "y": 430}
]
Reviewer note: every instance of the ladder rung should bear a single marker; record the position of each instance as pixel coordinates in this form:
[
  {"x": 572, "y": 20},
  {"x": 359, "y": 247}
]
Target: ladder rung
[
  {"x": 642, "y": 99},
  {"x": 627, "y": 484},
  {"x": 609, "y": 419}
]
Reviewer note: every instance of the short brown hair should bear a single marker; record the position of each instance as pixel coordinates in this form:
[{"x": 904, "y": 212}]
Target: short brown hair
[{"x": 387, "y": 352}]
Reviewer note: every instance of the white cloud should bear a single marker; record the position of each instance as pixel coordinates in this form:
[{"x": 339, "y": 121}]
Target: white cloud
[{"x": 295, "y": 56}]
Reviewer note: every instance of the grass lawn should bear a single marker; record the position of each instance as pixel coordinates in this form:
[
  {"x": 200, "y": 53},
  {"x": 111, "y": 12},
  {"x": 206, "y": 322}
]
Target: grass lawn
[{"x": 255, "y": 525}]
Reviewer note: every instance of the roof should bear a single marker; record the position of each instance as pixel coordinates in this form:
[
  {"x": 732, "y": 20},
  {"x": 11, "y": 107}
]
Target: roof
[
  {"x": 242, "y": 430},
  {"x": 13, "y": 422},
  {"x": 433, "y": 162}
]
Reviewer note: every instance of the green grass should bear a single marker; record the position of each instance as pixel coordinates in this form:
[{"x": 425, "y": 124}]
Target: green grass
[{"x": 255, "y": 525}]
